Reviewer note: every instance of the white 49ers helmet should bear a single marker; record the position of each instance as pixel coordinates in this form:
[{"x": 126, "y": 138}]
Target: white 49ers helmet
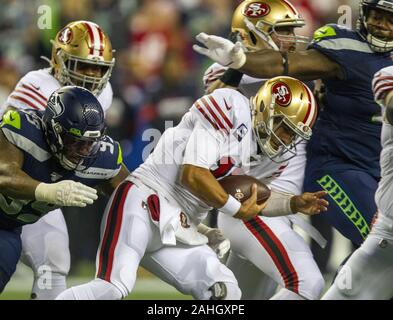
[
  {"x": 282, "y": 107},
  {"x": 257, "y": 20},
  {"x": 80, "y": 45}
]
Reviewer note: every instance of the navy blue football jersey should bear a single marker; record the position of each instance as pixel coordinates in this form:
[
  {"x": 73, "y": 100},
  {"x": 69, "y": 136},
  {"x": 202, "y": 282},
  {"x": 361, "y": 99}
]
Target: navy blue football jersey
[
  {"x": 24, "y": 130},
  {"x": 349, "y": 126}
]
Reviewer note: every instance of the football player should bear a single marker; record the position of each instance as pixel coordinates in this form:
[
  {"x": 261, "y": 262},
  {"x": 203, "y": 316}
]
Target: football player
[
  {"x": 343, "y": 154},
  {"x": 81, "y": 55},
  {"x": 51, "y": 159},
  {"x": 368, "y": 273},
  {"x": 275, "y": 29},
  {"x": 154, "y": 214}
]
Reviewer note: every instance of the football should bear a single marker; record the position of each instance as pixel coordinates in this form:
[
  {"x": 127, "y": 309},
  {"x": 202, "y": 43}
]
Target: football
[{"x": 239, "y": 186}]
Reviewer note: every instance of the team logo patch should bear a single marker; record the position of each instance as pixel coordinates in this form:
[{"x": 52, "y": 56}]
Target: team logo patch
[
  {"x": 65, "y": 36},
  {"x": 256, "y": 10},
  {"x": 184, "y": 221},
  {"x": 240, "y": 132},
  {"x": 282, "y": 93}
]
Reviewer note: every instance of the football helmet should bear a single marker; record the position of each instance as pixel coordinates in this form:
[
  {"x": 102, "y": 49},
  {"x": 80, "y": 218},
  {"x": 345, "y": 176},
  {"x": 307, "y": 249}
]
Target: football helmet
[
  {"x": 74, "y": 126},
  {"x": 282, "y": 107},
  {"x": 376, "y": 44},
  {"x": 82, "y": 45},
  {"x": 254, "y": 22}
]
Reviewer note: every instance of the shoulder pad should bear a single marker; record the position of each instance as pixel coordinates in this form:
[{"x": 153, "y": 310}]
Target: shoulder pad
[
  {"x": 108, "y": 162},
  {"x": 219, "y": 109},
  {"x": 24, "y": 130},
  {"x": 332, "y": 31},
  {"x": 382, "y": 84}
]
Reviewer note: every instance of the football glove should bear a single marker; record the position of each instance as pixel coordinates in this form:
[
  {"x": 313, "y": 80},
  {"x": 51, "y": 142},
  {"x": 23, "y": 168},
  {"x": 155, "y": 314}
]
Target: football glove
[
  {"x": 221, "y": 50},
  {"x": 66, "y": 193},
  {"x": 217, "y": 240}
]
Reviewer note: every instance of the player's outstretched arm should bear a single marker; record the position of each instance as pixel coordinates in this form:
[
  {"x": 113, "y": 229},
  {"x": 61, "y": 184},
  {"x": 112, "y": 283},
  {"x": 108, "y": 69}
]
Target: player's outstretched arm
[
  {"x": 306, "y": 65},
  {"x": 303, "y": 65},
  {"x": 201, "y": 183},
  {"x": 15, "y": 183}
]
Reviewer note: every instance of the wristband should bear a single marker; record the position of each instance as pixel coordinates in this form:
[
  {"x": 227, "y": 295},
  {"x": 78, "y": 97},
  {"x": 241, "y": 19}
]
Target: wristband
[
  {"x": 231, "y": 207},
  {"x": 232, "y": 77}
]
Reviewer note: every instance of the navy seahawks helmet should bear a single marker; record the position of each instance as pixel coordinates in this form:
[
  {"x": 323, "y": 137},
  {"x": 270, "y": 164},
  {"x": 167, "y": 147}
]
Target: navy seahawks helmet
[
  {"x": 74, "y": 127},
  {"x": 376, "y": 44}
]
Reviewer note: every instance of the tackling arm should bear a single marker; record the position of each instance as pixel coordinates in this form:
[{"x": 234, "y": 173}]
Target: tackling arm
[
  {"x": 14, "y": 182},
  {"x": 305, "y": 65}
]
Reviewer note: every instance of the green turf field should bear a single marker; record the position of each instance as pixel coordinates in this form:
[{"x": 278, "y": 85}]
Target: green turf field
[{"x": 147, "y": 287}]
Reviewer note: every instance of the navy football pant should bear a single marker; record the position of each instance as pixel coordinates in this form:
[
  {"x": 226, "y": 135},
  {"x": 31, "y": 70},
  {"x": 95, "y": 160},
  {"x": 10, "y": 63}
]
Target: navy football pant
[
  {"x": 10, "y": 250},
  {"x": 351, "y": 198}
]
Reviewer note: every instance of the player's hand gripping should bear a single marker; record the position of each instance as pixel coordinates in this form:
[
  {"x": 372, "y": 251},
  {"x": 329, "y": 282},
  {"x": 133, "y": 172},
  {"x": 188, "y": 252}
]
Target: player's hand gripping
[
  {"x": 250, "y": 208},
  {"x": 309, "y": 203},
  {"x": 217, "y": 240},
  {"x": 66, "y": 193},
  {"x": 221, "y": 50}
]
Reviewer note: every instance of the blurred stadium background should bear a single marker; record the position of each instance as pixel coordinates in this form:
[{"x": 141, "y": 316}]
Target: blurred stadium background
[{"x": 156, "y": 78}]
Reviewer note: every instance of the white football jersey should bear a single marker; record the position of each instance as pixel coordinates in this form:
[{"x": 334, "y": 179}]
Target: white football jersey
[
  {"x": 287, "y": 176},
  {"x": 382, "y": 84},
  {"x": 215, "y": 134},
  {"x": 35, "y": 88}
]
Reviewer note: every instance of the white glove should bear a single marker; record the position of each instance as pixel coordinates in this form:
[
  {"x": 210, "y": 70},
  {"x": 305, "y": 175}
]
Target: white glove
[
  {"x": 221, "y": 50},
  {"x": 66, "y": 193},
  {"x": 217, "y": 240}
]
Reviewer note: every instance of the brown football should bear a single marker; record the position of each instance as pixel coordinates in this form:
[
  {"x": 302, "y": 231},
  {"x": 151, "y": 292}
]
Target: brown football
[{"x": 240, "y": 187}]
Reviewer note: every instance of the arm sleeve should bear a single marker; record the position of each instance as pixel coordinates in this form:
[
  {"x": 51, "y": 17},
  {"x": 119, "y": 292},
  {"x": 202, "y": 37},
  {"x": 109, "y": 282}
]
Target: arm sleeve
[
  {"x": 332, "y": 42},
  {"x": 26, "y": 95}
]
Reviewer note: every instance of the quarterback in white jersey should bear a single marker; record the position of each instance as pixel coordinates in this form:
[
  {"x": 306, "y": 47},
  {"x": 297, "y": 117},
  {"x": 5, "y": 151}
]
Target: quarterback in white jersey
[
  {"x": 368, "y": 274},
  {"x": 154, "y": 216},
  {"x": 81, "y": 55},
  {"x": 284, "y": 255}
]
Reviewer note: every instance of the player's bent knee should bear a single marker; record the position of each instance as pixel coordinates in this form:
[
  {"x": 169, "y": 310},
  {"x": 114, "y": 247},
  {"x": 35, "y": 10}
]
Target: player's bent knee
[{"x": 225, "y": 291}]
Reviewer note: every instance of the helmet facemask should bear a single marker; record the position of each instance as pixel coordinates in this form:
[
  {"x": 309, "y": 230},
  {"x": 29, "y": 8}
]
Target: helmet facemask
[
  {"x": 376, "y": 44},
  {"x": 69, "y": 74},
  {"x": 72, "y": 150},
  {"x": 294, "y": 40}
]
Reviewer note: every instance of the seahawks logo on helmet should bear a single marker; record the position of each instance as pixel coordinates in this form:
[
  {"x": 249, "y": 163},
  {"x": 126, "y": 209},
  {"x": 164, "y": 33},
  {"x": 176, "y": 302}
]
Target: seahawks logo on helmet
[{"x": 55, "y": 105}]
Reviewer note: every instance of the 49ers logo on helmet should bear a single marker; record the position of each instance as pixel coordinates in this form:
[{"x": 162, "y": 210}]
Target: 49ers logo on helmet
[
  {"x": 282, "y": 93},
  {"x": 256, "y": 10},
  {"x": 65, "y": 36}
]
